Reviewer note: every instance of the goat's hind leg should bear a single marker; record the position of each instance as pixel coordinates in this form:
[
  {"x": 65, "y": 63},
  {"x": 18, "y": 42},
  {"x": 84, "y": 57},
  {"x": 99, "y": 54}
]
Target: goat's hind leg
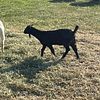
[
  {"x": 66, "y": 52},
  {"x": 42, "y": 50},
  {"x": 52, "y": 50},
  {"x": 74, "y": 47}
]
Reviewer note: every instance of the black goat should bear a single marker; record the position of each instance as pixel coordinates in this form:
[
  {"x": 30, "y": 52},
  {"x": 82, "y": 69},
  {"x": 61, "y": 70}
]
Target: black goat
[{"x": 65, "y": 37}]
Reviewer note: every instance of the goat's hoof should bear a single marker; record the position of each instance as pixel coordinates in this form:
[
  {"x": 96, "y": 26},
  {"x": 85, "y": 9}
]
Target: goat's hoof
[
  {"x": 78, "y": 58},
  {"x": 55, "y": 55},
  {"x": 61, "y": 58}
]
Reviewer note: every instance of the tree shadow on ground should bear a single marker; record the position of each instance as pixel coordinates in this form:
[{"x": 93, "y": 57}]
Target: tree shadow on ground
[
  {"x": 85, "y": 4},
  {"x": 30, "y": 67},
  {"x": 60, "y": 1}
]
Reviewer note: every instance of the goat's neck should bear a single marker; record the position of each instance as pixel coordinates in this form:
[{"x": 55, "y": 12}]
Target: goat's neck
[{"x": 36, "y": 33}]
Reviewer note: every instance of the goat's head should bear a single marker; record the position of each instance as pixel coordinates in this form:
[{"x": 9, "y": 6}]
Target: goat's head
[{"x": 28, "y": 30}]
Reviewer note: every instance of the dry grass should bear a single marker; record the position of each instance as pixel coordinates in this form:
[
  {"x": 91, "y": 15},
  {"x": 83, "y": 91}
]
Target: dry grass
[
  {"x": 24, "y": 75},
  {"x": 47, "y": 79}
]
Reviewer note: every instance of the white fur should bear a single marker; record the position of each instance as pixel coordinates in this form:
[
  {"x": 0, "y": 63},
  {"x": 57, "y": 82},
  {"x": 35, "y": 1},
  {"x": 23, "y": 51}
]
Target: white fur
[{"x": 2, "y": 36}]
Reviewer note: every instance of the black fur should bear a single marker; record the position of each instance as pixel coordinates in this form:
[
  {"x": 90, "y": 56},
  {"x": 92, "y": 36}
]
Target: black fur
[{"x": 65, "y": 37}]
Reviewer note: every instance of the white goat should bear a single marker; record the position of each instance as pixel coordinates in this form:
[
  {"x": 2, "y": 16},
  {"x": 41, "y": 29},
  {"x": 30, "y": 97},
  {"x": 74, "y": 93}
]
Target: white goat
[{"x": 2, "y": 35}]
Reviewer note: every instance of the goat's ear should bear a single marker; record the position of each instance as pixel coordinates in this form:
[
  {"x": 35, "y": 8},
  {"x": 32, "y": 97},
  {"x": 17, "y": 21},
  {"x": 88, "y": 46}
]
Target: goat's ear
[
  {"x": 31, "y": 25},
  {"x": 29, "y": 35}
]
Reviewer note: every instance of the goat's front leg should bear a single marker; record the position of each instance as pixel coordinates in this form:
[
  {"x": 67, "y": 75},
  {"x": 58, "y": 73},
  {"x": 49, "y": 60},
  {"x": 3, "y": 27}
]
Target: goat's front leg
[
  {"x": 42, "y": 50},
  {"x": 2, "y": 47},
  {"x": 74, "y": 47},
  {"x": 52, "y": 50},
  {"x": 67, "y": 50}
]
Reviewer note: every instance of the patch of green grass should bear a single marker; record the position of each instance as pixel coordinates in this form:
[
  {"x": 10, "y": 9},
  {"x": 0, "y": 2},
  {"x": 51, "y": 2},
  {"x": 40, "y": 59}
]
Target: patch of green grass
[
  {"x": 26, "y": 75},
  {"x": 49, "y": 15}
]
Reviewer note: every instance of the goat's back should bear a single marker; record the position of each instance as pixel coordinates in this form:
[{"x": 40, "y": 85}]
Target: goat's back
[{"x": 57, "y": 37}]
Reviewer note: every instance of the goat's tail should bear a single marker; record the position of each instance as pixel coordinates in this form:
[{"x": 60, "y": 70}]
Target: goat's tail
[{"x": 76, "y": 28}]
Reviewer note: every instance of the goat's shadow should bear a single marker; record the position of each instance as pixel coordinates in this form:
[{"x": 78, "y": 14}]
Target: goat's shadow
[
  {"x": 85, "y": 4},
  {"x": 60, "y": 1},
  {"x": 30, "y": 67}
]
